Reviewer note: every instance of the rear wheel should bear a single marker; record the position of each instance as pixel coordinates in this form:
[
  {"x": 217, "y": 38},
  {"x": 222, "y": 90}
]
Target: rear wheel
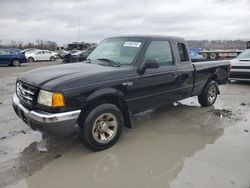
[
  {"x": 102, "y": 127},
  {"x": 213, "y": 56},
  {"x": 209, "y": 94},
  {"x": 31, "y": 59},
  {"x": 16, "y": 62}
]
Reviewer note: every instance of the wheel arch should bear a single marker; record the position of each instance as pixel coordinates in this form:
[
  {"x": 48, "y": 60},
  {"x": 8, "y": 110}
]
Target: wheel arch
[
  {"x": 52, "y": 56},
  {"x": 107, "y": 95},
  {"x": 213, "y": 78},
  {"x": 34, "y": 59}
]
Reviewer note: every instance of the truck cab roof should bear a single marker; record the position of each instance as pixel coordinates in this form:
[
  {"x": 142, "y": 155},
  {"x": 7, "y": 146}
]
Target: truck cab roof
[{"x": 151, "y": 37}]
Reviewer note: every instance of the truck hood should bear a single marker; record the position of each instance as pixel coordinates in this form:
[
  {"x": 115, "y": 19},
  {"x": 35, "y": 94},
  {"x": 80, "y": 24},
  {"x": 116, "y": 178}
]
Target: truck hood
[{"x": 49, "y": 77}]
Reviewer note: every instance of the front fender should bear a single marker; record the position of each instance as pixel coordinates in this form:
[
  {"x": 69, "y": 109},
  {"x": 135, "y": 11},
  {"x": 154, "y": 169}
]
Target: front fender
[{"x": 105, "y": 92}]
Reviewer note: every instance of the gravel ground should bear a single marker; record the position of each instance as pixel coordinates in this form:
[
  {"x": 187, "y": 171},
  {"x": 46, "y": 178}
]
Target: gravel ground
[{"x": 182, "y": 145}]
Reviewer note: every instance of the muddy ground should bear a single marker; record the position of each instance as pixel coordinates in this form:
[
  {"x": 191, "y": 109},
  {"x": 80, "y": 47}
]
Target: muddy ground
[{"x": 177, "y": 146}]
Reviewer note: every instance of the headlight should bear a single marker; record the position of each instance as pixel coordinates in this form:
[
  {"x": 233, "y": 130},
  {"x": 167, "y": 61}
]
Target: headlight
[{"x": 50, "y": 99}]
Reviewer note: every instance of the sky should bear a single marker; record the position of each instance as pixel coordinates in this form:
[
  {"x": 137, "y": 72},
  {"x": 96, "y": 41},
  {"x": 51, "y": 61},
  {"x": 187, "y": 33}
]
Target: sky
[{"x": 60, "y": 21}]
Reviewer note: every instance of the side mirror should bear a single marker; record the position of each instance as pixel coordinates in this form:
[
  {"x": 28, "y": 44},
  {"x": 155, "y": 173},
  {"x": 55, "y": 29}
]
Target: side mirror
[
  {"x": 148, "y": 64},
  {"x": 151, "y": 64}
]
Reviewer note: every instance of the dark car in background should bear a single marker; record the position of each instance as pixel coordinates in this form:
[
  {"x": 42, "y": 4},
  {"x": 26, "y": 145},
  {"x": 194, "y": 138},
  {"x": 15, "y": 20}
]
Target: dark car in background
[
  {"x": 74, "y": 56},
  {"x": 248, "y": 45},
  {"x": 77, "y": 56},
  {"x": 11, "y": 57}
]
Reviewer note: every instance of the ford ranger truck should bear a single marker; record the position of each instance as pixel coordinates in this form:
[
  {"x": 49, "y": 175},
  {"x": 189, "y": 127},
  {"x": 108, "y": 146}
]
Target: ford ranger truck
[{"x": 123, "y": 76}]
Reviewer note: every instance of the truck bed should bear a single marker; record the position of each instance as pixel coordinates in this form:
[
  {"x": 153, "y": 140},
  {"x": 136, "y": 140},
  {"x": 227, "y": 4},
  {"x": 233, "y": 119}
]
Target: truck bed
[{"x": 203, "y": 71}]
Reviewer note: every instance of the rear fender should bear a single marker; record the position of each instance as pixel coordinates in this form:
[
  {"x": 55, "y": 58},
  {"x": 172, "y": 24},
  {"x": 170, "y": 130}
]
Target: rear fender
[{"x": 216, "y": 84}]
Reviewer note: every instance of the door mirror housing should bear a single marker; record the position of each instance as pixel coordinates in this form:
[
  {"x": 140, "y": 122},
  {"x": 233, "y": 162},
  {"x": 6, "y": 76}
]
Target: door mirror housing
[
  {"x": 151, "y": 64},
  {"x": 148, "y": 64}
]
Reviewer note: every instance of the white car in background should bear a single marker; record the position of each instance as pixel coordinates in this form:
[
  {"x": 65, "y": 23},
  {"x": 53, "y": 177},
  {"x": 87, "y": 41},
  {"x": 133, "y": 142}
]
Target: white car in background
[
  {"x": 41, "y": 55},
  {"x": 240, "y": 69}
]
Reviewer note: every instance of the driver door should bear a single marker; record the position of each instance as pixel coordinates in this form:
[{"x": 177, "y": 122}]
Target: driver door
[{"x": 156, "y": 86}]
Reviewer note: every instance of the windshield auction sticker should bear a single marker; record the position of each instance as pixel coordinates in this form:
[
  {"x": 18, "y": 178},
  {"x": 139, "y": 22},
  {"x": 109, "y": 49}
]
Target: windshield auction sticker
[{"x": 132, "y": 44}]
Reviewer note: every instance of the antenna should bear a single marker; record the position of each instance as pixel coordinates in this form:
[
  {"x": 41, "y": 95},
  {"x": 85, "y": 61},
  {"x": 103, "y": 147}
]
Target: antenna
[{"x": 79, "y": 25}]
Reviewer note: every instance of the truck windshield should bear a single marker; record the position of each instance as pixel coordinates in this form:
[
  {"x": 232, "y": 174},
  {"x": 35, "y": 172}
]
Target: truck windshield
[{"x": 122, "y": 50}]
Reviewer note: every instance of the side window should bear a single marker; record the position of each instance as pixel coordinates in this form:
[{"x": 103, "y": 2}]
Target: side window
[
  {"x": 182, "y": 52},
  {"x": 2, "y": 52},
  {"x": 160, "y": 51}
]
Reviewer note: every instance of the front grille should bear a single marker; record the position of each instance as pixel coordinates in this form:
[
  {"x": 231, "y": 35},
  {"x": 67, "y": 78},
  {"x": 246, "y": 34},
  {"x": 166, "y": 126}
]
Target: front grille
[{"x": 26, "y": 94}]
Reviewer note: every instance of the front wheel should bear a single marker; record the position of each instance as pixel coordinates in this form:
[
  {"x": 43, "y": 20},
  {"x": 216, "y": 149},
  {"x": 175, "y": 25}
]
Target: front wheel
[
  {"x": 102, "y": 127},
  {"x": 209, "y": 94},
  {"x": 52, "y": 58}
]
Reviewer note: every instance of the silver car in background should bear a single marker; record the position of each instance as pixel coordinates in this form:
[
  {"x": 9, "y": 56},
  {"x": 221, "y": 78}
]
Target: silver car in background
[{"x": 240, "y": 69}]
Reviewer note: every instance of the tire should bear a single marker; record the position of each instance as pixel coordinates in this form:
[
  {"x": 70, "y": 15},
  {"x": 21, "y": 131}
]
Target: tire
[
  {"x": 31, "y": 59},
  {"x": 16, "y": 62},
  {"x": 102, "y": 127},
  {"x": 52, "y": 58},
  {"x": 209, "y": 94},
  {"x": 213, "y": 56},
  {"x": 204, "y": 55}
]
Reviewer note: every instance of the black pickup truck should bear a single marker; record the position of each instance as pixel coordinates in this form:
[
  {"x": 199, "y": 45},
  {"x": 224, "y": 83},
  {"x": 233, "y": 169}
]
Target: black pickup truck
[{"x": 122, "y": 76}]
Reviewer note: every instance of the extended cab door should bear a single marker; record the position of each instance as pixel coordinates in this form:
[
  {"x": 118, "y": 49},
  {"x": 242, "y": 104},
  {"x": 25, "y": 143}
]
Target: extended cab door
[
  {"x": 155, "y": 86},
  {"x": 185, "y": 69}
]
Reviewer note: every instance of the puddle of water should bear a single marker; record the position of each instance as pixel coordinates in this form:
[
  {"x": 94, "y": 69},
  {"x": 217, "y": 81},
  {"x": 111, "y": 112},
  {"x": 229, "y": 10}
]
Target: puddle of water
[
  {"x": 171, "y": 153},
  {"x": 223, "y": 164},
  {"x": 151, "y": 155},
  {"x": 14, "y": 145},
  {"x": 21, "y": 183}
]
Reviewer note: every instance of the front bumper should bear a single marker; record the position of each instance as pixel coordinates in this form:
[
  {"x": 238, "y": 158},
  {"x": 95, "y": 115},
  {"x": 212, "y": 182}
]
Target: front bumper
[
  {"x": 60, "y": 124},
  {"x": 240, "y": 74}
]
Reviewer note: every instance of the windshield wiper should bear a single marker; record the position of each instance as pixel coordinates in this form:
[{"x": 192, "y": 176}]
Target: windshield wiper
[{"x": 111, "y": 62}]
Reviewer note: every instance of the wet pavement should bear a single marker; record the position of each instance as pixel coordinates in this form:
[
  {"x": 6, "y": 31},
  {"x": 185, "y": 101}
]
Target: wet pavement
[{"x": 179, "y": 146}]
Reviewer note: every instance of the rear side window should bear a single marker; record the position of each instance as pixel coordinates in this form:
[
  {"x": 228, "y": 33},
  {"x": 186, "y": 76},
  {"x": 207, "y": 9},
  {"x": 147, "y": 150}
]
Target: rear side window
[
  {"x": 182, "y": 52},
  {"x": 2, "y": 52},
  {"x": 160, "y": 51}
]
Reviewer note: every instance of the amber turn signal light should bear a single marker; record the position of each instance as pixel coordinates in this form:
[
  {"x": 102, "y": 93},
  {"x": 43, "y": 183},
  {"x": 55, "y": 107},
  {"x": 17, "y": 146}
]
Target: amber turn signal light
[{"x": 58, "y": 100}]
